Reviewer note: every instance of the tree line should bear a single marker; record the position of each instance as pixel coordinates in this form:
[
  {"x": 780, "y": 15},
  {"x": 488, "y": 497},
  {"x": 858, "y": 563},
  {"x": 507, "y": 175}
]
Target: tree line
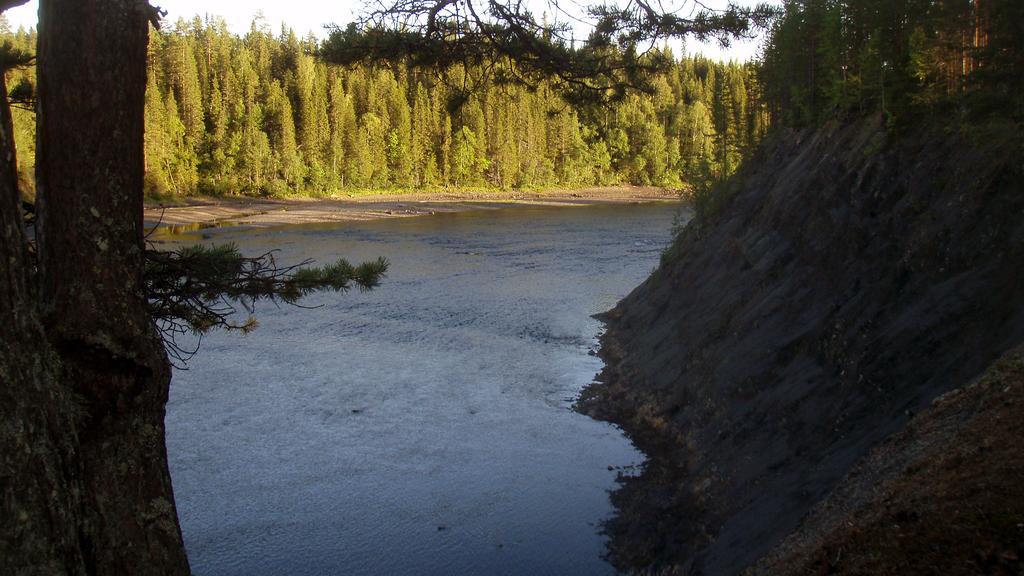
[
  {"x": 263, "y": 114},
  {"x": 901, "y": 58}
]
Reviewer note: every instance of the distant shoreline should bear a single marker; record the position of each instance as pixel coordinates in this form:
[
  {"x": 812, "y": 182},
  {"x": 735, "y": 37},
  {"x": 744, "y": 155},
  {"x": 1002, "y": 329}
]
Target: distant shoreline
[{"x": 192, "y": 214}]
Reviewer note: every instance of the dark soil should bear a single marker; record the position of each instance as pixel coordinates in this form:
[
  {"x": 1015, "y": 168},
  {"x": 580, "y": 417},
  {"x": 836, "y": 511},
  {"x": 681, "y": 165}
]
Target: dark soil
[
  {"x": 943, "y": 496},
  {"x": 852, "y": 277}
]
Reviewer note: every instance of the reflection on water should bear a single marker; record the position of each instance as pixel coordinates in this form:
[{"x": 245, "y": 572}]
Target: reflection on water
[
  {"x": 163, "y": 232},
  {"x": 176, "y": 229},
  {"x": 424, "y": 427}
]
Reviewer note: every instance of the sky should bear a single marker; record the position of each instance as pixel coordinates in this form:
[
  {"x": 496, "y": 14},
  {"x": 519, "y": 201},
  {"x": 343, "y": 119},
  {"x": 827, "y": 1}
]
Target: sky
[{"x": 310, "y": 16}]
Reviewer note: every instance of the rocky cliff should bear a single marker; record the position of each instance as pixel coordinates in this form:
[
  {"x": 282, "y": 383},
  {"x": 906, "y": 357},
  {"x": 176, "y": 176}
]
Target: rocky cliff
[{"x": 852, "y": 276}]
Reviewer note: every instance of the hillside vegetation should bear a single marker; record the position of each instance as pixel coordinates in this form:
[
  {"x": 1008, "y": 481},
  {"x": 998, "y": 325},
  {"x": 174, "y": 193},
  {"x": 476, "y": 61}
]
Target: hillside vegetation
[{"x": 910, "y": 60}]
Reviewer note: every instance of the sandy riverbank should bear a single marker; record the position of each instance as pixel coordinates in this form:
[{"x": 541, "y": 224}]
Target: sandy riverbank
[{"x": 272, "y": 212}]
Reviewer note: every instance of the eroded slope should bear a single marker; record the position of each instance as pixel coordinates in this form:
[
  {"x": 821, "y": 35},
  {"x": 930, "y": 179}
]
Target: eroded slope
[{"x": 851, "y": 279}]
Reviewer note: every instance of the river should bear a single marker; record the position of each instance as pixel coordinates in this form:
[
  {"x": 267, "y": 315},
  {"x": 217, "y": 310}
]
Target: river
[{"x": 422, "y": 428}]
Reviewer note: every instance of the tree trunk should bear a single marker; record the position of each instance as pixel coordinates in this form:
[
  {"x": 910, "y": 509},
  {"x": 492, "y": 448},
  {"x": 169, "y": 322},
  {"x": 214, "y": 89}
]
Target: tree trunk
[
  {"x": 38, "y": 502},
  {"x": 85, "y": 380}
]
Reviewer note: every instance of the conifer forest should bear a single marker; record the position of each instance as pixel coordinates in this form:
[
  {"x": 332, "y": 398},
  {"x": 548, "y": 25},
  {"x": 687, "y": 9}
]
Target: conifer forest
[{"x": 261, "y": 114}]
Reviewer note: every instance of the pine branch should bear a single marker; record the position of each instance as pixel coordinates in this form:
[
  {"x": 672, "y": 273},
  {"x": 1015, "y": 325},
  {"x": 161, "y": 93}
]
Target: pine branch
[
  {"x": 198, "y": 288},
  {"x": 8, "y": 4},
  {"x": 11, "y": 57},
  {"x": 613, "y": 60}
]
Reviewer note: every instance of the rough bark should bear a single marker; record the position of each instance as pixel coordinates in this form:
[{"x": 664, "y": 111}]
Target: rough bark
[
  {"x": 37, "y": 439},
  {"x": 92, "y": 80},
  {"x": 84, "y": 381}
]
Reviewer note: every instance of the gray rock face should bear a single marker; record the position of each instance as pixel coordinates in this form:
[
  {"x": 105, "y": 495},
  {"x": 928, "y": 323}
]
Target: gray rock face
[{"x": 851, "y": 278}]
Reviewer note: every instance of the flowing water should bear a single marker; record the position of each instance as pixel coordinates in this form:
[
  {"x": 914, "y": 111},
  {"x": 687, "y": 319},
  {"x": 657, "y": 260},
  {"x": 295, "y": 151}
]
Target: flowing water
[{"x": 424, "y": 427}]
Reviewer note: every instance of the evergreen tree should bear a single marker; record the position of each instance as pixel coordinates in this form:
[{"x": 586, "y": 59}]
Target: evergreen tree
[{"x": 262, "y": 114}]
